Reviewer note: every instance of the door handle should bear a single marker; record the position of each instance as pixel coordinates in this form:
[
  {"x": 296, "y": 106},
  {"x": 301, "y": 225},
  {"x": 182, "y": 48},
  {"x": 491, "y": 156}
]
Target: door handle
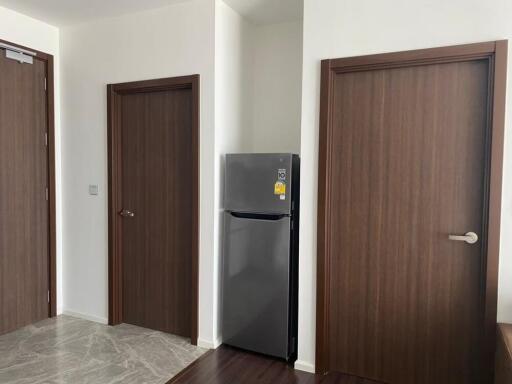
[
  {"x": 126, "y": 213},
  {"x": 470, "y": 237}
]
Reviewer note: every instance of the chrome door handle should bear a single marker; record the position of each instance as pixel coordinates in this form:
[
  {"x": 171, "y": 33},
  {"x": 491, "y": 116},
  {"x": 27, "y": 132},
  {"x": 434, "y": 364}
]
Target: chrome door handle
[
  {"x": 126, "y": 213},
  {"x": 470, "y": 237}
]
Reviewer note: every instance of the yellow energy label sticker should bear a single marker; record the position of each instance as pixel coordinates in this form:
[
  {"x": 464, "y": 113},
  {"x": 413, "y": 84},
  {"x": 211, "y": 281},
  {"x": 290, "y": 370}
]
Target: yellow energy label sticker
[{"x": 279, "y": 188}]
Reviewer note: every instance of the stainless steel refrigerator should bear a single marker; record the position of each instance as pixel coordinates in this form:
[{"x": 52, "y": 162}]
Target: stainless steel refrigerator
[{"x": 260, "y": 253}]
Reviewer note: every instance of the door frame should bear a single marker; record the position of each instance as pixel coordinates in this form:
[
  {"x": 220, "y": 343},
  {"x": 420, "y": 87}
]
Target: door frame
[
  {"x": 496, "y": 54},
  {"x": 47, "y": 59},
  {"x": 115, "y": 262}
]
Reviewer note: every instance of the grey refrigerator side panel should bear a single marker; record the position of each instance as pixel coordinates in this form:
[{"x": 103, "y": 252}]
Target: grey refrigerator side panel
[
  {"x": 250, "y": 183},
  {"x": 256, "y": 284}
]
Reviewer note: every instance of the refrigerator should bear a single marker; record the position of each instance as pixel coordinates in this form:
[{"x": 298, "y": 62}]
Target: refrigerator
[{"x": 260, "y": 253}]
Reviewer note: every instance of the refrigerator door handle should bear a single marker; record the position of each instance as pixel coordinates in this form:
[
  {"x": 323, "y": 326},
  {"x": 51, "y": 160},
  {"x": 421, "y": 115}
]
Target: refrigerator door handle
[{"x": 259, "y": 216}]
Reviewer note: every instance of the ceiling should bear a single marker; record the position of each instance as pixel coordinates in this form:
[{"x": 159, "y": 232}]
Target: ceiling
[
  {"x": 69, "y": 12},
  {"x": 268, "y": 11}
]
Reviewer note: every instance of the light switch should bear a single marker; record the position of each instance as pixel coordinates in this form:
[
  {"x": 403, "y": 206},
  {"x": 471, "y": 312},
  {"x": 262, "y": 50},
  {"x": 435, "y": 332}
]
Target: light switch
[{"x": 93, "y": 190}]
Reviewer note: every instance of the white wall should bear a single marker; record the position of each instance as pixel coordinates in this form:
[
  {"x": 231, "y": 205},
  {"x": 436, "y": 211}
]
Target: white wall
[
  {"x": 233, "y": 63},
  {"x": 32, "y": 33},
  {"x": 275, "y": 105},
  {"x": 339, "y": 28},
  {"x": 172, "y": 41},
  {"x": 233, "y": 78},
  {"x": 261, "y": 67}
]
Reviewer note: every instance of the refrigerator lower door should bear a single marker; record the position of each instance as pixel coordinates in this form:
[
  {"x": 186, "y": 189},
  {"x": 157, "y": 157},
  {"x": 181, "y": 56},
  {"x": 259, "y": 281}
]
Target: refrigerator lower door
[{"x": 256, "y": 289}]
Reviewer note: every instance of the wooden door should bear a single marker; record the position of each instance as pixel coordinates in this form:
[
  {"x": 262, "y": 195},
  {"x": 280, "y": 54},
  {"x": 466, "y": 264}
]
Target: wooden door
[
  {"x": 24, "y": 206},
  {"x": 409, "y": 149},
  {"x": 157, "y": 208}
]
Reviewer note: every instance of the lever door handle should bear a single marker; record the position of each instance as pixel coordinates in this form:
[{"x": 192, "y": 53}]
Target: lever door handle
[
  {"x": 470, "y": 237},
  {"x": 126, "y": 213}
]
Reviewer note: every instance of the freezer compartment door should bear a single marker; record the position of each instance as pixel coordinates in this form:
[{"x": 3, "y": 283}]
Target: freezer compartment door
[
  {"x": 256, "y": 289},
  {"x": 258, "y": 183}
]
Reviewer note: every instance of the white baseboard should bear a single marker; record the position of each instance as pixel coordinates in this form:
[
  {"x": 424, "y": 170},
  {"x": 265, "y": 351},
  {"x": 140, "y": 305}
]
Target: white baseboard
[
  {"x": 304, "y": 366},
  {"x": 208, "y": 344},
  {"x": 79, "y": 315}
]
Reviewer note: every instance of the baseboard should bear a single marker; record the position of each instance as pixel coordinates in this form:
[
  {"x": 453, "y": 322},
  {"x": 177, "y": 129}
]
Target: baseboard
[
  {"x": 79, "y": 315},
  {"x": 304, "y": 366},
  {"x": 208, "y": 344}
]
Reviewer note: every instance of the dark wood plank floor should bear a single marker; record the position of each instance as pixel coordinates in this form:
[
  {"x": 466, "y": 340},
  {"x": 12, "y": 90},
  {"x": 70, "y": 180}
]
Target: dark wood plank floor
[{"x": 227, "y": 365}]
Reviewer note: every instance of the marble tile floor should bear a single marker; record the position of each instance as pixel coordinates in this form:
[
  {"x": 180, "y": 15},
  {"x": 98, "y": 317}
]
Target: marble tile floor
[{"x": 70, "y": 350}]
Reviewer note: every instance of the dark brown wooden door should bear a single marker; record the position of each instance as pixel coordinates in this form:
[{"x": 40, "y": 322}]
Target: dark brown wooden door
[
  {"x": 409, "y": 165},
  {"x": 157, "y": 184},
  {"x": 24, "y": 209}
]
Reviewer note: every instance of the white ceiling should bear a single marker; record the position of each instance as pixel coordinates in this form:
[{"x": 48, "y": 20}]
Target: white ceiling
[
  {"x": 268, "y": 11},
  {"x": 69, "y": 12}
]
